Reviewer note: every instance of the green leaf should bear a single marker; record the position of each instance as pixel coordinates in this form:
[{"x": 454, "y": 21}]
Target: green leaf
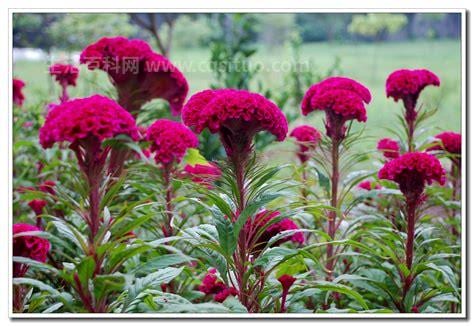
[
  {"x": 106, "y": 284},
  {"x": 193, "y": 157},
  {"x": 85, "y": 270},
  {"x": 234, "y": 305},
  {"x": 329, "y": 286}
]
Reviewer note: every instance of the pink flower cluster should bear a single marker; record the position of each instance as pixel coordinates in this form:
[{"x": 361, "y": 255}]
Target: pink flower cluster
[
  {"x": 236, "y": 114},
  {"x": 450, "y": 142},
  {"x": 308, "y": 137},
  {"x": 412, "y": 171},
  {"x": 37, "y": 205},
  {"x": 64, "y": 74},
  {"x": 211, "y": 285},
  {"x": 342, "y": 95},
  {"x": 18, "y": 96},
  {"x": 32, "y": 247},
  {"x": 170, "y": 140},
  {"x": 389, "y": 148},
  {"x": 203, "y": 174},
  {"x": 368, "y": 185},
  {"x": 406, "y": 84},
  {"x": 254, "y": 226},
  {"x": 96, "y": 116},
  {"x": 341, "y": 98},
  {"x": 139, "y": 74}
]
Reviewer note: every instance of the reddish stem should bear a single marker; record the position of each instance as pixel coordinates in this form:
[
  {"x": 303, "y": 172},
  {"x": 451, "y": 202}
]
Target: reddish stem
[
  {"x": 332, "y": 215},
  {"x": 64, "y": 94}
]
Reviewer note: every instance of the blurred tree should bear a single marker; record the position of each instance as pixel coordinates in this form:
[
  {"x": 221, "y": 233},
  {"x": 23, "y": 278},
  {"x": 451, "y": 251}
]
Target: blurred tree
[
  {"x": 28, "y": 30},
  {"x": 232, "y": 46},
  {"x": 157, "y": 24},
  {"x": 316, "y": 27},
  {"x": 377, "y": 26},
  {"x": 75, "y": 31},
  {"x": 191, "y": 31},
  {"x": 276, "y": 29}
]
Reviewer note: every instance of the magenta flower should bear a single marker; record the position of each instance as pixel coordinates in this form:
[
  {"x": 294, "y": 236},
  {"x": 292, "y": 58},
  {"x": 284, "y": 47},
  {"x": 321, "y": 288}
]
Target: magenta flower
[
  {"x": 412, "y": 171},
  {"x": 37, "y": 205},
  {"x": 286, "y": 283},
  {"x": 389, "y": 147},
  {"x": 308, "y": 137},
  {"x": 341, "y": 98},
  {"x": 368, "y": 185},
  {"x": 450, "y": 142},
  {"x": 79, "y": 121},
  {"x": 32, "y": 247},
  {"x": 259, "y": 232},
  {"x": 48, "y": 187},
  {"x": 406, "y": 85},
  {"x": 237, "y": 115},
  {"x": 18, "y": 96},
  {"x": 203, "y": 174},
  {"x": 64, "y": 74},
  {"x": 212, "y": 286},
  {"x": 139, "y": 74},
  {"x": 170, "y": 140}
]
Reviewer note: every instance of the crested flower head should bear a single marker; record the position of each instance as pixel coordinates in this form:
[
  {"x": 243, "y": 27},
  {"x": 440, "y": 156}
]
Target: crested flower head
[
  {"x": 48, "y": 187},
  {"x": 64, "y": 74},
  {"x": 237, "y": 115},
  {"x": 96, "y": 117},
  {"x": 203, "y": 174},
  {"x": 37, "y": 205},
  {"x": 18, "y": 96},
  {"x": 260, "y": 228},
  {"x": 341, "y": 98},
  {"x": 412, "y": 171},
  {"x": 29, "y": 246},
  {"x": 406, "y": 84},
  {"x": 389, "y": 148},
  {"x": 308, "y": 138},
  {"x": 449, "y": 141},
  {"x": 170, "y": 140},
  {"x": 212, "y": 285},
  {"x": 286, "y": 281},
  {"x": 138, "y": 73},
  {"x": 368, "y": 185}
]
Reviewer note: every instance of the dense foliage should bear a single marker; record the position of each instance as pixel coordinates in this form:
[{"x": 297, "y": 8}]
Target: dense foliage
[{"x": 120, "y": 213}]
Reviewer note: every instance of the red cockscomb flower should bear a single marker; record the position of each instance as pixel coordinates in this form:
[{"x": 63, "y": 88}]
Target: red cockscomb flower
[
  {"x": 32, "y": 247},
  {"x": 37, "y": 205},
  {"x": 253, "y": 228},
  {"x": 64, "y": 74},
  {"x": 286, "y": 283},
  {"x": 341, "y": 98},
  {"x": 204, "y": 174},
  {"x": 48, "y": 187},
  {"x": 308, "y": 137},
  {"x": 211, "y": 285},
  {"x": 412, "y": 171},
  {"x": 96, "y": 117},
  {"x": 368, "y": 185},
  {"x": 18, "y": 96},
  {"x": 389, "y": 148},
  {"x": 170, "y": 140},
  {"x": 406, "y": 84},
  {"x": 237, "y": 115},
  {"x": 138, "y": 73},
  {"x": 450, "y": 142}
]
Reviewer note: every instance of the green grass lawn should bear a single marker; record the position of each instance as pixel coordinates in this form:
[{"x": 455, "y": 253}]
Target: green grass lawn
[{"x": 368, "y": 63}]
